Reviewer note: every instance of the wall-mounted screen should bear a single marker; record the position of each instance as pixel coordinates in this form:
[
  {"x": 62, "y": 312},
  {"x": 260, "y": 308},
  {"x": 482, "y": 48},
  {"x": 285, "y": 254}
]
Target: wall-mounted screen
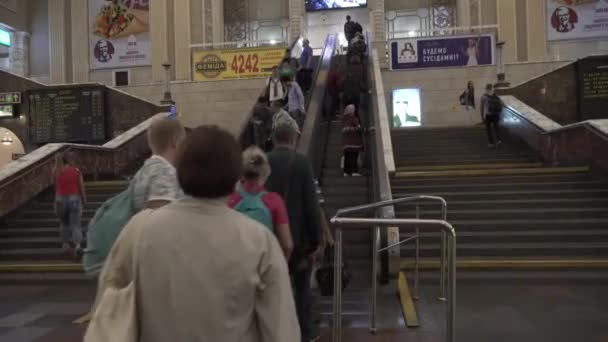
[
  {"x": 6, "y": 111},
  {"x": 406, "y": 108},
  {"x": 5, "y": 37},
  {"x": 322, "y": 5}
]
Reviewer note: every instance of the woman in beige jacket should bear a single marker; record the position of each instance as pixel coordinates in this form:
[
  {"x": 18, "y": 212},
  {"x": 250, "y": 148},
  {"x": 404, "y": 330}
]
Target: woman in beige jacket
[{"x": 205, "y": 272}]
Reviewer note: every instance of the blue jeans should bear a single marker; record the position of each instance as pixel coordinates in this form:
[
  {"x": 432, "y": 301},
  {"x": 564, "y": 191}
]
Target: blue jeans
[{"x": 69, "y": 212}]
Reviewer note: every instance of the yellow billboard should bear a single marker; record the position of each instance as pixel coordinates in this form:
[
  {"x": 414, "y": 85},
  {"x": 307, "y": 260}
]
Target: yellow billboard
[{"x": 232, "y": 64}]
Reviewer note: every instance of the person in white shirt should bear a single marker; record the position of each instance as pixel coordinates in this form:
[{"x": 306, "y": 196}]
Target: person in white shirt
[
  {"x": 276, "y": 88},
  {"x": 155, "y": 184}
]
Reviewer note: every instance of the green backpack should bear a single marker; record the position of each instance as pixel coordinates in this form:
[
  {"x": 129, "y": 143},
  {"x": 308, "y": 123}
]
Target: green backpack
[
  {"x": 104, "y": 229},
  {"x": 252, "y": 206}
]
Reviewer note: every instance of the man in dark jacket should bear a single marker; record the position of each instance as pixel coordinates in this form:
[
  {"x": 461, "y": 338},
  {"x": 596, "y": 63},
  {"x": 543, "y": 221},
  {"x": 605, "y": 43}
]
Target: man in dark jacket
[
  {"x": 349, "y": 29},
  {"x": 292, "y": 177}
]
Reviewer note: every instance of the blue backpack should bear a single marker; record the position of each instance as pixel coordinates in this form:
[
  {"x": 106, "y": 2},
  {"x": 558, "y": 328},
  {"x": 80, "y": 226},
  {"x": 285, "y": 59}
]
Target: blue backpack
[
  {"x": 253, "y": 207},
  {"x": 104, "y": 229}
]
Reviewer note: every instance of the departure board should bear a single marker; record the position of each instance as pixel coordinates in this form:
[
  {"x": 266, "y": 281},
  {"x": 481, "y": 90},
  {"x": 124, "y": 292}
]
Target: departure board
[
  {"x": 593, "y": 87},
  {"x": 67, "y": 115}
]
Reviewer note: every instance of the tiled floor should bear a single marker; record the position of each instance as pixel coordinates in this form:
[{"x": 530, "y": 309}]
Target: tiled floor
[{"x": 524, "y": 310}]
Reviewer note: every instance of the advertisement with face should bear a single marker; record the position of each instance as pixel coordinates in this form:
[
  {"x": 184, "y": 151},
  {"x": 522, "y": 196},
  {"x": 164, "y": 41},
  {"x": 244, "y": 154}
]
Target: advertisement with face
[
  {"x": 119, "y": 33},
  {"x": 576, "y": 19},
  {"x": 406, "y": 108}
]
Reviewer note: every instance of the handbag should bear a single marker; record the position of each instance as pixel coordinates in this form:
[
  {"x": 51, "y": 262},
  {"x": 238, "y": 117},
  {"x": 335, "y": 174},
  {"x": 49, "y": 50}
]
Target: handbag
[
  {"x": 325, "y": 274},
  {"x": 115, "y": 317}
]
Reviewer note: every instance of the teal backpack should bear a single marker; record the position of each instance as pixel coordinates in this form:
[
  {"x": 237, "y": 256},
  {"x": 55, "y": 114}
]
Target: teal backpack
[
  {"x": 104, "y": 229},
  {"x": 253, "y": 207}
]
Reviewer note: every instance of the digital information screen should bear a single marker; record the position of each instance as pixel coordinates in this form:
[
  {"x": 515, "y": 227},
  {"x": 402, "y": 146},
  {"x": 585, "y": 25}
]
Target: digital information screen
[
  {"x": 322, "y": 5},
  {"x": 67, "y": 115}
]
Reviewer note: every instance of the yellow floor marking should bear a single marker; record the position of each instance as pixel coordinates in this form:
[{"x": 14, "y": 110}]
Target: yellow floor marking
[
  {"x": 407, "y": 303},
  {"x": 512, "y": 264},
  {"x": 84, "y": 319},
  {"x": 468, "y": 166},
  {"x": 490, "y": 172}
]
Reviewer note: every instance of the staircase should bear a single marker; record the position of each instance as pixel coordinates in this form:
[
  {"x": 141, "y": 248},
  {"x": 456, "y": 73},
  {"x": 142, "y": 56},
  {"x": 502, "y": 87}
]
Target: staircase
[
  {"x": 505, "y": 204},
  {"x": 30, "y": 236}
]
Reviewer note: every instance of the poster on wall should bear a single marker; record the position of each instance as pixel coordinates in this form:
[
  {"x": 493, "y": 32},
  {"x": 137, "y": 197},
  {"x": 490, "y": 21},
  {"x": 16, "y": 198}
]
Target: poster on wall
[
  {"x": 119, "y": 33},
  {"x": 231, "y": 64},
  {"x": 441, "y": 52},
  {"x": 575, "y": 19},
  {"x": 406, "y": 108}
]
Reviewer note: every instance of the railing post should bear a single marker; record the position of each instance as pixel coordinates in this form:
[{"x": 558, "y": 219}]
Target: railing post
[
  {"x": 442, "y": 256},
  {"x": 374, "y": 303},
  {"x": 417, "y": 266},
  {"x": 337, "y": 334}
]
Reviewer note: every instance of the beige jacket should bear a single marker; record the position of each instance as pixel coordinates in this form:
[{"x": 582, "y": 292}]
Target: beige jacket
[{"x": 204, "y": 273}]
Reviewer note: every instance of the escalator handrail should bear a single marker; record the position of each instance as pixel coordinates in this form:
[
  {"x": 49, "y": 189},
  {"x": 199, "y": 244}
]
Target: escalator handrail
[{"x": 309, "y": 143}]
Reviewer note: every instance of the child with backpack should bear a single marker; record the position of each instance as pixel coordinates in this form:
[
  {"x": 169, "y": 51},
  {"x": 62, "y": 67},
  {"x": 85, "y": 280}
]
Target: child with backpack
[
  {"x": 491, "y": 108},
  {"x": 352, "y": 141},
  {"x": 252, "y": 200}
]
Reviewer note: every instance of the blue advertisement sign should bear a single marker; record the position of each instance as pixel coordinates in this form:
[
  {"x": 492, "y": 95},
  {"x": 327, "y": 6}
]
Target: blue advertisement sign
[{"x": 441, "y": 52}]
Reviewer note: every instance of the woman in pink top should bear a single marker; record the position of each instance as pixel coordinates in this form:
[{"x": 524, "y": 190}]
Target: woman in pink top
[{"x": 251, "y": 199}]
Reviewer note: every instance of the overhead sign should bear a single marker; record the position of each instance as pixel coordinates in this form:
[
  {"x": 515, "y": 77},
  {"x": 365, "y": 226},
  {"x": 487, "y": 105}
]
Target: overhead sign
[
  {"x": 10, "y": 98},
  {"x": 211, "y": 65},
  {"x": 417, "y": 53},
  {"x": 574, "y": 19},
  {"x": 119, "y": 33},
  {"x": 5, "y": 37}
]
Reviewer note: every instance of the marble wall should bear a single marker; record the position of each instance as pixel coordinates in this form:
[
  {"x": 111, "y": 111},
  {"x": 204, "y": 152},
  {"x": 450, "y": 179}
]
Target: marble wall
[
  {"x": 585, "y": 142},
  {"x": 555, "y": 94}
]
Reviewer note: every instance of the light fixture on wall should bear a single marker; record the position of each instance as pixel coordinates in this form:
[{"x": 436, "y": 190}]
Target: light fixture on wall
[{"x": 7, "y": 140}]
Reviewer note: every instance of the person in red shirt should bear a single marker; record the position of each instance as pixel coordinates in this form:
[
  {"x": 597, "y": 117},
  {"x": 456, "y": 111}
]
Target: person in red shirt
[
  {"x": 70, "y": 196},
  {"x": 255, "y": 172}
]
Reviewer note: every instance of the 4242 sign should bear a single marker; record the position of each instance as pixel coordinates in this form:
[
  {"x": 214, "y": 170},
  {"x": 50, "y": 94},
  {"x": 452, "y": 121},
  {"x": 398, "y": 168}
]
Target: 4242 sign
[{"x": 211, "y": 65}]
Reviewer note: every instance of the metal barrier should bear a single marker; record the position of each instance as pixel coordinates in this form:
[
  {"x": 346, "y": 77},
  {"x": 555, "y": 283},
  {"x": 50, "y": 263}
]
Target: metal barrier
[{"x": 447, "y": 252}]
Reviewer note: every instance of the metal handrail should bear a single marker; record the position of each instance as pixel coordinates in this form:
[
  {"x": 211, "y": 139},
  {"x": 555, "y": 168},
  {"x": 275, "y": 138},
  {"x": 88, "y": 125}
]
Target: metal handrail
[
  {"x": 361, "y": 223},
  {"x": 416, "y": 236}
]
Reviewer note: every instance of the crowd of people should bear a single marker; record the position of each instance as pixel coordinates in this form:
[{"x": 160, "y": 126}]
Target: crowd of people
[{"x": 229, "y": 238}]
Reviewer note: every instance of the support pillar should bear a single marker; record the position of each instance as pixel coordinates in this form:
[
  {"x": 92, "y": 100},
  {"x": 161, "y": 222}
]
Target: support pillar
[
  {"x": 377, "y": 27},
  {"x": 297, "y": 22},
  {"x": 159, "y": 38},
  {"x": 537, "y": 42},
  {"x": 57, "y": 41},
  {"x": 182, "y": 39},
  {"x": 463, "y": 13},
  {"x": 80, "y": 42},
  {"x": 507, "y": 29},
  {"x": 19, "y": 54}
]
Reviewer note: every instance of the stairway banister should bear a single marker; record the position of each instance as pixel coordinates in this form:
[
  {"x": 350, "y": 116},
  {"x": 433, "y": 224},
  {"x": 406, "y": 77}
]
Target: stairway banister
[
  {"x": 17, "y": 185},
  {"x": 585, "y": 141}
]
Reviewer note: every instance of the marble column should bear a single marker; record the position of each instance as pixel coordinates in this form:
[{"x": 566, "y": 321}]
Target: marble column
[
  {"x": 507, "y": 28},
  {"x": 182, "y": 39},
  {"x": 57, "y": 41},
  {"x": 297, "y": 21},
  {"x": 535, "y": 18},
  {"x": 217, "y": 8},
  {"x": 159, "y": 38},
  {"x": 463, "y": 13},
  {"x": 19, "y": 53},
  {"x": 377, "y": 26},
  {"x": 80, "y": 42}
]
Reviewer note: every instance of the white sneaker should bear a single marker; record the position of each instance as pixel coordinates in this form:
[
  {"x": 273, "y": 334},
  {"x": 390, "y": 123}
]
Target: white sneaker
[{"x": 357, "y": 175}]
